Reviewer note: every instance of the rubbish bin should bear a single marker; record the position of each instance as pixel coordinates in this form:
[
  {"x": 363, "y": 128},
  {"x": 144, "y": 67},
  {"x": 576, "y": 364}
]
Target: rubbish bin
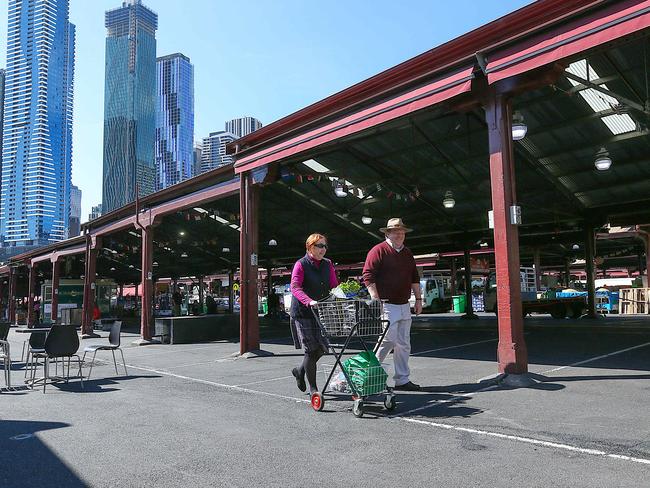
[{"x": 459, "y": 303}]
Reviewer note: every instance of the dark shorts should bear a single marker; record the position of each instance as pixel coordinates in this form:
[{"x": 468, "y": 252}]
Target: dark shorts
[{"x": 310, "y": 336}]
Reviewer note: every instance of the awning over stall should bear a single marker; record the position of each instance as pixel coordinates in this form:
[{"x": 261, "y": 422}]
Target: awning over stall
[{"x": 614, "y": 22}]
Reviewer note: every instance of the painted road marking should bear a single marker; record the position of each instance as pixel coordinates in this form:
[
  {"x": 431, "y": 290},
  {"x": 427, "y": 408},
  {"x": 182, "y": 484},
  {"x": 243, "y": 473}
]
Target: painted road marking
[
  {"x": 454, "y": 347},
  {"x": 596, "y": 358},
  {"x": 529, "y": 440}
]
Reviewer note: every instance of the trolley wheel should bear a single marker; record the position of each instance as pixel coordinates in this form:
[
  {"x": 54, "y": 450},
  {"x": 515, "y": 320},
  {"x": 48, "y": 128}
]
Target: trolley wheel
[
  {"x": 357, "y": 408},
  {"x": 389, "y": 402},
  {"x": 317, "y": 402}
]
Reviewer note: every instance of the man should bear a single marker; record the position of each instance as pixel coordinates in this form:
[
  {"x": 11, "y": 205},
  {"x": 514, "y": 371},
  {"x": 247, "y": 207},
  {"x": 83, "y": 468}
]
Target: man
[{"x": 390, "y": 275}]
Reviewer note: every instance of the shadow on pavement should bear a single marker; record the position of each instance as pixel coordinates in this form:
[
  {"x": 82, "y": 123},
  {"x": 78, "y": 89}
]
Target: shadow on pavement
[{"x": 28, "y": 461}]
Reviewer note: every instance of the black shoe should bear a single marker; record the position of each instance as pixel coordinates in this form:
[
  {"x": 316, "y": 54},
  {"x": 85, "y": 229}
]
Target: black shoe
[
  {"x": 300, "y": 379},
  {"x": 410, "y": 386}
]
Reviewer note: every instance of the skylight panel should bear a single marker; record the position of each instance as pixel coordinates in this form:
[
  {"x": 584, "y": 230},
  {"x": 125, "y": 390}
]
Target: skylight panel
[
  {"x": 598, "y": 101},
  {"x": 316, "y": 166}
]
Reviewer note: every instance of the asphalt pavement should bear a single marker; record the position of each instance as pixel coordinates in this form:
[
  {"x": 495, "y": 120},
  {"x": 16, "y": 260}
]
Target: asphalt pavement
[{"x": 197, "y": 415}]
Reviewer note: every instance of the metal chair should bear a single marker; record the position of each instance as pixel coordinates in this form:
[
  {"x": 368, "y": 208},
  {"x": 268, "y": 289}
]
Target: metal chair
[
  {"x": 36, "y": 345},
  {"x": 113, "y": 345},
  {"x": 5, "y": 353},
  {"x": 61, "y": 342}
]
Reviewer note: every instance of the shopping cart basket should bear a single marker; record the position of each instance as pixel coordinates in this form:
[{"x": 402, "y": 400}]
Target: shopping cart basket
[{"x": 347, "y": 322}]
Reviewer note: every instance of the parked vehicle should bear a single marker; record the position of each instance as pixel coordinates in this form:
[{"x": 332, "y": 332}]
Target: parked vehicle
[
  {"x": 534, "y": 302},
  {"x": 434, "y": 297}
]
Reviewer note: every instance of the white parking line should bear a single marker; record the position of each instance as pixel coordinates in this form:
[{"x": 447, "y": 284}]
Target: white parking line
[
  {"x": 596, "y": 358},
  {"x": 528, "y": 440},
  {"x": 265, "y": 381},
  {"x": 454, "y": 347}
]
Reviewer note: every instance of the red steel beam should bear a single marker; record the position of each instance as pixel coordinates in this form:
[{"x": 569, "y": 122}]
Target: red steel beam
[
  {"x": 512, "y": 353},
  {"x": 93, "y": 244}
]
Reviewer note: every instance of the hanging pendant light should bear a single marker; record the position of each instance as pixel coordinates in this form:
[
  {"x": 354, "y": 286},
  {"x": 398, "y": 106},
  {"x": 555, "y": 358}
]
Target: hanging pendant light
[
  {"x": 339, "y": 188},
  {"x": 366, "y": 219},
  {"x": 602, "y": 161},
  {"x": 225, "y": 249},
  {"x": 273, "y": 242},
  {"x": 519, "y": 127},
  {"x": 448, "y": 201}
]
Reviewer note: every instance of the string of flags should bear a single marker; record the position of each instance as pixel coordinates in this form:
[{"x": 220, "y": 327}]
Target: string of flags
[{"x": 288, "y": 176}]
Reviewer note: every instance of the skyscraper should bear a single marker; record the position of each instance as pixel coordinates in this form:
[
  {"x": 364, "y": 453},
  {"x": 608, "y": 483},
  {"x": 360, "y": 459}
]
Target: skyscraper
[
  {"x": 174, "y": 120},
  {"x": 243, "y": 126},
  {"x": 95, "y": 212},
  {"x": 196, "y": 159},
  {"x": 2, "y": 107},
  {"x": 214, "y": 154},
  {"x": 37, "y": 129},
  {"x": 129, "y": 104},
  {"x": 74, "y": 226}
]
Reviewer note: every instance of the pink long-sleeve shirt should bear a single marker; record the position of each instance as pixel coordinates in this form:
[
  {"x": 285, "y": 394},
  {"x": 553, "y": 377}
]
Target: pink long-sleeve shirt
[{"x": 298, "y": 275}]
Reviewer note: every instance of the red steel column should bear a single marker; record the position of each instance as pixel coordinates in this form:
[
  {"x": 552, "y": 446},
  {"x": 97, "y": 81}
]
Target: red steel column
[
  {"x": 56, "y": 271},
  {"x": 30, "y": 295},
  {"x": 512, "y": 353},
  {"x": 590, "y": 253},
  {"x": 92, "y": 248},
  {"x": 249, "y": 334},
  {"x": 11, "y": 299},
  {"x": 147, "y": 283},
  {"x": 538, "y": 268}
]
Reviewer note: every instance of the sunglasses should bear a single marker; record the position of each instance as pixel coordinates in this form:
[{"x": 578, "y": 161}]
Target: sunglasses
[{"x": 321, "y": 246}]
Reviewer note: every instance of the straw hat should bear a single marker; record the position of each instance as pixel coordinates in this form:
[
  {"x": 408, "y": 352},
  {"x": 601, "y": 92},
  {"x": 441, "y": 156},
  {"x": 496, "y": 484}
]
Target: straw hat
[{"x": 395, "y": 224}]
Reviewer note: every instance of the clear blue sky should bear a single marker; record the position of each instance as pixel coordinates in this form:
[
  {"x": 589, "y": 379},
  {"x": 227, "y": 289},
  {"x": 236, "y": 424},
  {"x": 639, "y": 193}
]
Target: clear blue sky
[{"x": 263, "y": 58}]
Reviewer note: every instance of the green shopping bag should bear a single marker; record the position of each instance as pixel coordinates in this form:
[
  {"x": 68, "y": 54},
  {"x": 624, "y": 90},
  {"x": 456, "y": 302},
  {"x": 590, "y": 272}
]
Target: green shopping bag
[{"x": 365, "y": 373}]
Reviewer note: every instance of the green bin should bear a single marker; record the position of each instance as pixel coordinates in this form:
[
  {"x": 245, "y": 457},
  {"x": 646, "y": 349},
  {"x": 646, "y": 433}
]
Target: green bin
[{"x": 459, "y": 303}]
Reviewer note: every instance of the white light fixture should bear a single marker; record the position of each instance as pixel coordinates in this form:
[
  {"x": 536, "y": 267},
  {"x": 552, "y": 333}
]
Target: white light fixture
[
  {"x": 519, "y": 127},
  {"x": 154, "y": 264},
  {"x": 366, "y": 218},
  {"x": 184, "y": 254},
  {"x": 181, "y": 233},
  {"x": 112, "y": 269},
  {"x": 225, "y": 249},
  {"x": 575, "y": 247},
  {"x": 448, "y": 201},
  {"x": 131, "y": 266},
  {"x": 273, "y": 242},
  {"x": 339, "y": 189},
  {"x": 483, "y": 244},
  {"x": 603, "y": 161}
]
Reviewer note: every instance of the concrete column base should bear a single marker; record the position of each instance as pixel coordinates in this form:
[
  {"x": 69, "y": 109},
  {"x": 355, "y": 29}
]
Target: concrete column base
[
  {"x": 524, "y": 380},
  {"x": 469, "y": 316},
  {"x": 145, "y": 342},
  {"x": 256, "y": 353}
]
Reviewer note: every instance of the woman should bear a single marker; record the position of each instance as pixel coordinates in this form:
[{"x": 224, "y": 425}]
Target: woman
[{"x": 312, "y": 279}]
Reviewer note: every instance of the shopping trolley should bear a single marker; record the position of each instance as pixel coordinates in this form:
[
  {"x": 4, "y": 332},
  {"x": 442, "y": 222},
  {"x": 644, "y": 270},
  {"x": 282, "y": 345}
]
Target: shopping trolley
[{"x": 342, "y": 323}]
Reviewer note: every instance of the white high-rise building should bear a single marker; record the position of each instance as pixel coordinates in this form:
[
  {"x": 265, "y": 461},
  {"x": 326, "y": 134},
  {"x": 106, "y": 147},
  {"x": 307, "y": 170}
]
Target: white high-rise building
[
  {"x": 214, "y": 154},
  {"x": 243, "y": 126}
]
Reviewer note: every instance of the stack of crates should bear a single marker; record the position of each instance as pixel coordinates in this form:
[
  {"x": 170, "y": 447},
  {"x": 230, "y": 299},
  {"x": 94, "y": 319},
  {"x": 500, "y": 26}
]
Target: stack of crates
[{"x": 634, "y": 301}]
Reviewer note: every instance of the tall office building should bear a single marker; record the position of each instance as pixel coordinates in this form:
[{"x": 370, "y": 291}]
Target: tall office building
[
  {"x": 243, "y": 126},
  {"x": 95, "y": 212},
  {"x": 74, "y": 226},
  {"x": 129, "y": 104},
  {"x": 196, "y": 159},
  {"x": 213, "y": 154},
  {"x": 37, "y": 129},
  {"x": 174, "y": 120},
  {"x": 2, "y": 107}
]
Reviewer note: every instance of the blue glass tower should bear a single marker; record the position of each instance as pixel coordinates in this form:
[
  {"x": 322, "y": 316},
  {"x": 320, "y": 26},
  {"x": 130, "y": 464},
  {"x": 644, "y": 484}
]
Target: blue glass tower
[
  {"x": 129, "y": 104},
  {"x": 37, "y": 128},
  {"x": 174, "y": 120}
]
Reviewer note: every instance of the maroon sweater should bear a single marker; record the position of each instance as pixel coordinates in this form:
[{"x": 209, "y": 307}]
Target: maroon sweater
[{"x": 392, "y": 272}]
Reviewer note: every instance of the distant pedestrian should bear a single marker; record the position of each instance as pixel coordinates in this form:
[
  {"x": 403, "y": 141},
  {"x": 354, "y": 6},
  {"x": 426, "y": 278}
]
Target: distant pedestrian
[
  {"x": 391, "y": 275},
  {"x": 312, "y": 279}
]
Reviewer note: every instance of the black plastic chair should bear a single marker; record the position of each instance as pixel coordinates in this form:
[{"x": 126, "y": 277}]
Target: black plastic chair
[
  {"x": 5, "y": 353},
  {"x": 61, "y": 342},
  {"x": 36, "y": 345},
  {"x": 113, "y": 345}
]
